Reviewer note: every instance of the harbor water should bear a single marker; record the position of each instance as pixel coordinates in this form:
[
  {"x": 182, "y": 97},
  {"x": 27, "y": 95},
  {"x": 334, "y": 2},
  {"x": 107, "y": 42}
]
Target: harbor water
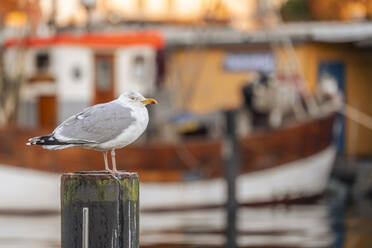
[{"x": 331, "y": 222}]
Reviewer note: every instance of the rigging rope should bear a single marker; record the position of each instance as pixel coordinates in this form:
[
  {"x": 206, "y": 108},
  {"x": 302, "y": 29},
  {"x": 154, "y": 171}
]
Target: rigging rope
[{"x": 356, "y": 115}]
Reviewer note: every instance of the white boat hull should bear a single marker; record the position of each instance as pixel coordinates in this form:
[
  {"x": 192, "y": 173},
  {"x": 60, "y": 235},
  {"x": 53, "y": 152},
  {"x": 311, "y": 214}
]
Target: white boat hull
[
  {"x": 28, "y": 190},
  {"x": 302, "y": 178}
]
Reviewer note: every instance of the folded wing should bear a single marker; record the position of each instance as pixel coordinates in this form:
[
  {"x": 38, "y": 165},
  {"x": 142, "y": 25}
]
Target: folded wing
[{"x": 96, "y": 124}]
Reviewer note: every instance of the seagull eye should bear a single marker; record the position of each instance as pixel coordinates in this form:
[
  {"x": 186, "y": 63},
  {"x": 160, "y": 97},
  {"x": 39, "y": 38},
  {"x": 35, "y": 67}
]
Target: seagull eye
[{"x": 132, "y": 98}]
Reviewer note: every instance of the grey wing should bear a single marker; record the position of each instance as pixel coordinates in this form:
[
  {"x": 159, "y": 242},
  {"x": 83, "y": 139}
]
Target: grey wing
[{"x": 96, "y": 124}]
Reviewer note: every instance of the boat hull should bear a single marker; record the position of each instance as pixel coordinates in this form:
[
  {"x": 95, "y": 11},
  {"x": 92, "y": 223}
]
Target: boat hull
[
  {"x": 279, "y": 165},
  {"x": 301, "y": 179}
]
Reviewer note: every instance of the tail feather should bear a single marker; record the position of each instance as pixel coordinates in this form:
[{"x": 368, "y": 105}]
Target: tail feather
[{"x": 47, "y": 140}]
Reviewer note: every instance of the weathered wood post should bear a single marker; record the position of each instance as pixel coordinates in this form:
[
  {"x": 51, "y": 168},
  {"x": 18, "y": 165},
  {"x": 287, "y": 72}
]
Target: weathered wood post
[{"x": 100, "y": 210}]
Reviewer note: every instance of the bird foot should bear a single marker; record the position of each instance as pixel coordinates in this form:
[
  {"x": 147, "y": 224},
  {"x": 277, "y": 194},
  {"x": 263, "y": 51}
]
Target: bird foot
[{"x": 112, "y": 171}]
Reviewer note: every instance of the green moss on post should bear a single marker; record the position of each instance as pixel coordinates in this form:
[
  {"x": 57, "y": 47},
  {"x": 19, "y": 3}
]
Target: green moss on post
[{"x": 113, "y": 203}]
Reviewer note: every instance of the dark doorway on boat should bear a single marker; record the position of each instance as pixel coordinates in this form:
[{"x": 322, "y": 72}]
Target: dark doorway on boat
[
  {"x": 104, "y": 77},
  {"x": 47, "y": 111},
  {"x": 336, "y": 70}
]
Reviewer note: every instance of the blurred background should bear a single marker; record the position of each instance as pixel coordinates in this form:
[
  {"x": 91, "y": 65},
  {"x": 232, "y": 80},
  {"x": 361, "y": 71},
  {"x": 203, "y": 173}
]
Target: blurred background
[{"x": 263, "y": 132}]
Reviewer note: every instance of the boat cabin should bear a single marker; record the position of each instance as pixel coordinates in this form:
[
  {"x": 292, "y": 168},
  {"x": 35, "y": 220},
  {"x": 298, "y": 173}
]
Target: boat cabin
[
  {"x": 65, "y": 72},
  {"x": 307, "y": 52}
]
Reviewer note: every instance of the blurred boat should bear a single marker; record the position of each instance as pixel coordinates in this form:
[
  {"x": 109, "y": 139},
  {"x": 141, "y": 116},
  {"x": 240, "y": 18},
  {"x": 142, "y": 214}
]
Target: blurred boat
[
  {"x": 291, "y": 163},
  {"x": 280, "y": 161}
]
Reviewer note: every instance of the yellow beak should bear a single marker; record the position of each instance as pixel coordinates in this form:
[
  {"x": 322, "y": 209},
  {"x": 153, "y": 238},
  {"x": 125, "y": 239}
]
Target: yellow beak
[{"x": 149, "y": 101}]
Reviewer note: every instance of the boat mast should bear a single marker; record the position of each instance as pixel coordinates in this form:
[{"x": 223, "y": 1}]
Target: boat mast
[{"x": 283, "y": 43}]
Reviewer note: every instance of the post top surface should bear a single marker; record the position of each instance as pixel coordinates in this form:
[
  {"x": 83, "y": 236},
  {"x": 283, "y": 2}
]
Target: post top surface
[{"x": 100, "y": 173}]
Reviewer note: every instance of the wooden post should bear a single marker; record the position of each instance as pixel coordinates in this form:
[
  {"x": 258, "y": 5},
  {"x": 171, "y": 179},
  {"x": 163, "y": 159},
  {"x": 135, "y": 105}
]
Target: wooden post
[
  {"x": 231, "y": 161},
  {"x": 100, "y": 210}
]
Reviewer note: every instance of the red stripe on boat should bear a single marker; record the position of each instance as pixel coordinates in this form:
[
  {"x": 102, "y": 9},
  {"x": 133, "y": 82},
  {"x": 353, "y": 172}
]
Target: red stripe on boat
[{"x": 96, "y": 40}]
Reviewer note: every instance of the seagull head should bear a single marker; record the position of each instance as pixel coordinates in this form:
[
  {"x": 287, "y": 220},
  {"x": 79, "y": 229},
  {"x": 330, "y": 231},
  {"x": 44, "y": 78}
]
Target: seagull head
[{"x": 135, "y": 98}]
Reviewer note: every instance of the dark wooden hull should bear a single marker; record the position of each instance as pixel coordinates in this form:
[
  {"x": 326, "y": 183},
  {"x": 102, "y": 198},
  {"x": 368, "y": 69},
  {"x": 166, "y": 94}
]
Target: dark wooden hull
[{"x": 167, "y": 162}]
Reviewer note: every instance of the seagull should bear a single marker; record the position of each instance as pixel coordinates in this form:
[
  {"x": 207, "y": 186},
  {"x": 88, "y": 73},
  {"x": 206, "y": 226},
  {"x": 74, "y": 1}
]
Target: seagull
[{"x": 103, "y": 127}]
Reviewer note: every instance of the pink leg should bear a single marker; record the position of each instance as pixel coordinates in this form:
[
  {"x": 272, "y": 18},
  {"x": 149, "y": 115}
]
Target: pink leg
[
  {"x": 106, "y": 162},
  {"x": 114, "y": 170}
]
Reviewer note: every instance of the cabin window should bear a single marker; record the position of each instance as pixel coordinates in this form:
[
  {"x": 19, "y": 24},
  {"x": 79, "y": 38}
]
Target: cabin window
[
  {"x": 138, "y": 67},
  {"x": 42, "y": 62},
  {"x": 103, "y": 71},
  {"x": 160, "y": 67},
  {"x": 76, "y": 73}
]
